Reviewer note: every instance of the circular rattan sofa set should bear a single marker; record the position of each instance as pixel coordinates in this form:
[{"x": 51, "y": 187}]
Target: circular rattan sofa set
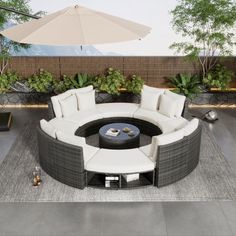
[{"x": 172, "y": 154}]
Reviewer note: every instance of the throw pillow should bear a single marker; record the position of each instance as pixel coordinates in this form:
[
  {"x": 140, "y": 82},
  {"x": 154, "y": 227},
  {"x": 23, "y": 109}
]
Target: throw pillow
[
  {"x": 149, "y": 100},
  {"x": 69, "y": 106},
  {"x": 86, "y": 101},
  {"x": 180, "y": 100},
  {"x": 168, "y": 106}
]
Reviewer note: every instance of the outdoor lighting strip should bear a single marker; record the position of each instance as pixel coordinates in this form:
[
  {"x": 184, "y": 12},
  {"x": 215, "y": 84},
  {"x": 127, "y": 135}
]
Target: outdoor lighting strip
[
  {"x": 24, "y": 106},
  {"x": 46, "y": 106},
  {"x": 223, "y": 106}
]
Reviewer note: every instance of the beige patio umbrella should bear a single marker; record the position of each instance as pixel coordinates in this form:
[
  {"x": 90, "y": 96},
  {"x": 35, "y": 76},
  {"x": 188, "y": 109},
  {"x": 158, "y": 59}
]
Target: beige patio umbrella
[{"x": 76, "y": 26}]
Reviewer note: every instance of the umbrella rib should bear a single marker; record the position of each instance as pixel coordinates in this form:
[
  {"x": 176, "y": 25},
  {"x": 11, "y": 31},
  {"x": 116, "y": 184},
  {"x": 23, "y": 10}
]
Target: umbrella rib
[
  {"x": 80, "y": 22},
  {"x": 105, "y": 17}
]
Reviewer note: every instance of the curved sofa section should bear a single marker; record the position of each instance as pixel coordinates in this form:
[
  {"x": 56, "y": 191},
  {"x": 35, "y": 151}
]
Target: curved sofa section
[
  {"x": 64, "y": 162},
  {"x": 178, "y": 159}
]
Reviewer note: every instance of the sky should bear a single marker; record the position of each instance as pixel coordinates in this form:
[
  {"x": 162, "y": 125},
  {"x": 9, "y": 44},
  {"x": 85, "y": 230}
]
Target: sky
[{"x": 153, "y": 13}]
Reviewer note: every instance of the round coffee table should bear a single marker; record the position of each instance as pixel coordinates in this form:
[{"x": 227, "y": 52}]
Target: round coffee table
[{"x": 123, "y": 140}]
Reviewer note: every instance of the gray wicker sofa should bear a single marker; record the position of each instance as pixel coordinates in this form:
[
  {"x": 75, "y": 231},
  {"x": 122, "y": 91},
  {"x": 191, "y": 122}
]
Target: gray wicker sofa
[{"x": 172, "y": 154}]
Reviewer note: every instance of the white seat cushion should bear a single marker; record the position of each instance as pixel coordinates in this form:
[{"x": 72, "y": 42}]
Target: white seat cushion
[
  {"x": 168, "y": 106},
  {"x": 172, "y": 125},
  {"x": 63, "y": 125},
  {"x": 180, "y": 102},
  {"x": 151, "y": 116},
  {"x": 119, "y": 161},
  {"x": 69, "y": 105},
  {"x": 86, "y": 100},
  {"x": 84, "y": 116},
  {"x": 88, "y": 151},
  {"x": 48, "y": 128},
  {"x": 146, "y": 149},
  {"x": 190, "y": 127},
  {"x": 117, "y": 109}
]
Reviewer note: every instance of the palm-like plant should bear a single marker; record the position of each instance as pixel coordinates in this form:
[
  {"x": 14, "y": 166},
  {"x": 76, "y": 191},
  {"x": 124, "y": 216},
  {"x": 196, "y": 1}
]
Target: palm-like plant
[{"x": 188, "y": 85}]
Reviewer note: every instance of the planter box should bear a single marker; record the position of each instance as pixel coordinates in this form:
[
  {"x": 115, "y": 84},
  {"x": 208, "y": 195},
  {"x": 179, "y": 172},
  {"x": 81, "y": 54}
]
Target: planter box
[
  {"x": 123, "y": 97},
  {"x": 34, "y": 98},
  {"x": 215, "y": 98},
  {"x": 22, "y": 98}
]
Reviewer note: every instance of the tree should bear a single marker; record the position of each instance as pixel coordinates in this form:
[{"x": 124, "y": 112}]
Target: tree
[
  {"x": 208, "y": 26},
  {"x": 7, "y": 46}
]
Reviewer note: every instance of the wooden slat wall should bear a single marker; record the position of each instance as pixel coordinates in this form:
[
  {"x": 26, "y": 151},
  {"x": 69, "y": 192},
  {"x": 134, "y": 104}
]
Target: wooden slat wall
[{"x": 153, "y": 70}]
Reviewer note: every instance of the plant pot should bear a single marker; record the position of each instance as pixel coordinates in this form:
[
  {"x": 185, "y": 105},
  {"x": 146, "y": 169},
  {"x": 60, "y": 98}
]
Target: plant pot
[{"x": 215, "y": 98}]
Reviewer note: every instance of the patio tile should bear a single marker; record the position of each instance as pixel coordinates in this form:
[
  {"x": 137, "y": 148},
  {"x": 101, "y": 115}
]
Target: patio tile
[
  {"x": 19, "y": 219},
  {"x": 133, "y": 219},
  {"x": 195, "y": 218},
  {"x": 229, "y": 209},
  {"x": 59, "y": 219}
]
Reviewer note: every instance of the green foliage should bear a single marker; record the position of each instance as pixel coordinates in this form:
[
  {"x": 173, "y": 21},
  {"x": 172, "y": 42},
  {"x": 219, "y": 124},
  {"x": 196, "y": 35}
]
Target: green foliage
[
  {"x": 80, "y": 80},
  {"x": 185, "y": 84},
  {"x": 41, "y": 82},
  {"x": 134, "y": 84},
  {"x": 219, "y": 77},
  {"x": 6, "y": 80},
  {"x": 209, "y": 26},
  {"x": 111, "y": 82},
  {"x": 7, "y": 46},
  {"x": 83, "y": 80}
]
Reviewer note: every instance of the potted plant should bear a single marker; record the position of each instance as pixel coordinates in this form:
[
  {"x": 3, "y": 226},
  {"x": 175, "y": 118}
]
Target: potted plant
[
  {"x": 108, "y": 85},
  {"x": 80, "y": 80},
  {"x": 188, "y": 85},
  {"x": 219, "y": 77}
]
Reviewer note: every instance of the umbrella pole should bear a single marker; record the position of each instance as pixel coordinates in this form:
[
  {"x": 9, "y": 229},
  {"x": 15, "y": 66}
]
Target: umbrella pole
[{"x": 19, "y": 12}]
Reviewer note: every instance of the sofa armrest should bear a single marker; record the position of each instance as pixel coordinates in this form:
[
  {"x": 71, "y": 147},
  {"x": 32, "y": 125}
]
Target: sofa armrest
[
  {"x": 51, "y": 113},
  {"x": 186, "y": 114}
]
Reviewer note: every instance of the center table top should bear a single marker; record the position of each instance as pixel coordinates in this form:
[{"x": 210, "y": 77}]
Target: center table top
[{"x": 119, "y": 131}]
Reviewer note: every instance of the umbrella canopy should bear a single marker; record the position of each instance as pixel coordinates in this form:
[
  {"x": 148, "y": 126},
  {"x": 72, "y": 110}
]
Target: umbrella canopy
[{"x": 76, "y": 26}]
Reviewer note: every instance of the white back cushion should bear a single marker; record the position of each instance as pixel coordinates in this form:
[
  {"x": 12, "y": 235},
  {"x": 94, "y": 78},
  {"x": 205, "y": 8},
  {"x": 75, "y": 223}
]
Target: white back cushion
[
  {"x": 55, "y": 99},
  {"x": 164, "y": 139},
  {"x": 69, "y": 105},
  {"x": 86, "y": 101},
  {"x": 56, "y": 104},
  {"x": 48, "y": 128},
  {"x": 180, "y": 100},
  {"x": 149, "y": 100},
  {"x": 190, "y": 127},
  {"x": 153, "y": 89},
  {"x": 168, "y": 106}
]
